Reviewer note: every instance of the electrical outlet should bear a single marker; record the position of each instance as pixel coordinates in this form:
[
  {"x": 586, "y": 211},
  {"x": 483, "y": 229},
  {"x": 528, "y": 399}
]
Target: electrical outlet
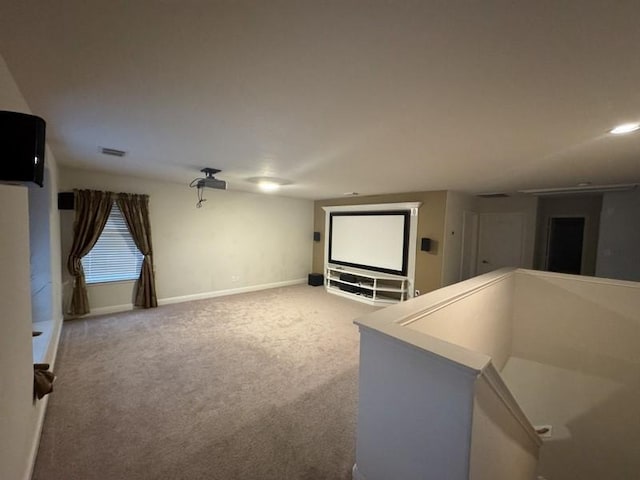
[
  {"x": 544, "y": 431},
  {"x": 235, "y": 278}
]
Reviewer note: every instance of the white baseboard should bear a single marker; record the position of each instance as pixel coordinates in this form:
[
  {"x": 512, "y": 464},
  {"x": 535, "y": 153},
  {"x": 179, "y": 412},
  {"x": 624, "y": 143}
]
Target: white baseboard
[
  {"x": 51, "y": 354},
  {"x": 197, "y": 296},
  {"x": 356, "y": 475},
  {"x": 110, "y": 309},
  {"x": 230, "y": 291}
]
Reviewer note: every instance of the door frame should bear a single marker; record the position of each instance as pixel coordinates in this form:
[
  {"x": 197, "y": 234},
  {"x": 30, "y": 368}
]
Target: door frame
[
  {"x": 470, "y": 223},
  {"x": 548, "y": 239}
]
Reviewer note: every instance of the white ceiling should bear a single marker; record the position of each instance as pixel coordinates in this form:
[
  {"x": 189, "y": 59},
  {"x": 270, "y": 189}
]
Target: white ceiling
[{"x": 336, "y": 96}]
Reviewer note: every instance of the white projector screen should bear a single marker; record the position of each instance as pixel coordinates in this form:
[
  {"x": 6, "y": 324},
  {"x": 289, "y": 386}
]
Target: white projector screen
[{"x": 370, "y": 240}]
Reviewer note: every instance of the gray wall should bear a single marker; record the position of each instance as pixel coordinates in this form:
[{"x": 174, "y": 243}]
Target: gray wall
[{"x": 619, "y": 244}]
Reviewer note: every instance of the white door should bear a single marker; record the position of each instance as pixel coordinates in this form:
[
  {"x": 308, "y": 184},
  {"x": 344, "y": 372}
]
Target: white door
[
  {"x": 469, "y": 250},
  {"x": 500, "y": 241}
]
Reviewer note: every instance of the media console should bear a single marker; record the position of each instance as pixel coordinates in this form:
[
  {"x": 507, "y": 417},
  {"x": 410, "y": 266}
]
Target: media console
[{"x": 366, "y": 286}]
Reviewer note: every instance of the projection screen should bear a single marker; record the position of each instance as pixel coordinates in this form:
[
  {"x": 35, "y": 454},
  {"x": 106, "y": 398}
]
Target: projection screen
[{"x": 370, "y": 240}]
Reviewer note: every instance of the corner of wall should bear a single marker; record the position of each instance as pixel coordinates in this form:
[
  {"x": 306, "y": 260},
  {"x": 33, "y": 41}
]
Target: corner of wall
[{"x": 21, "y": 432}]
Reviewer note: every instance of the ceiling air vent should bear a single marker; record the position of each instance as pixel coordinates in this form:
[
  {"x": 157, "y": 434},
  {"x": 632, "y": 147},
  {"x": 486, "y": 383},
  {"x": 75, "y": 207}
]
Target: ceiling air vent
[
  {"x": 492, "y": 195},
  {"x": 113, "y": 152}
]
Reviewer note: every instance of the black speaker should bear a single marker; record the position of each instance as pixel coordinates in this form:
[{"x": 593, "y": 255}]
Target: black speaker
[
  {"x": 316, "y": 279},
  {"x": 66, "y": 201},
  {"x": 348, "y": 277},
  {"x": 425, "y": 244},
  {"x": 316, "y": 236},
  {"x": 22, "y": 140}
]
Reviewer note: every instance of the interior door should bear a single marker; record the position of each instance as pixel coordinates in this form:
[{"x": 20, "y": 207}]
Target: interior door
[
  {"x": 500, "y": 241},
  {"x": 469, "y": 250}
]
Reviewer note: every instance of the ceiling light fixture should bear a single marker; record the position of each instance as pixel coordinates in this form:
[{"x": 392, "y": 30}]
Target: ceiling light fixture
[
  {"x": 269, "y": 184},
  {"x": 581, "y": 189},
  {"x": 625, "y": 128}
]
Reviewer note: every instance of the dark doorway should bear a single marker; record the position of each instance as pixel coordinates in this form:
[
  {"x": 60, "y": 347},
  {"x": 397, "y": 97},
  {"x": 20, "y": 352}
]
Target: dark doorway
[{"x": 564, "y": 248}]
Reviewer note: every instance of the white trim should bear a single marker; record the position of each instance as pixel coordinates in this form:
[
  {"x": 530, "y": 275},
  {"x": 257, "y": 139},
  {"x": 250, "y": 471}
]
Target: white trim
[
  {"x": 359, "y": 298},
  {"x": 620, "y": 187},
  {"x": 51, "y": 355},
  {"x": 451, "y": 354},
  {"x": 105, "y": 310},
  {"x": 195, "y": 296},
  {"x": 473, "y": 250},
  {"x": 413, "y": 232},
  {"x": 496, "y": 383},
  {"x": 373, "y": 207},
  {"x": 504, "y": 274},
  {"x": 230, "y": 291},
  {"x": 580, "y": 278},
  {"x": 356, "y": 475}
]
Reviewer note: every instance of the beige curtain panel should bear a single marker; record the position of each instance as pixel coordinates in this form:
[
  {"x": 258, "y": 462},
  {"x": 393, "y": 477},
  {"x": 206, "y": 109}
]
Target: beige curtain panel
[
  {"x": 135, "y": 210},
  {"x": 92, "y": 211}
]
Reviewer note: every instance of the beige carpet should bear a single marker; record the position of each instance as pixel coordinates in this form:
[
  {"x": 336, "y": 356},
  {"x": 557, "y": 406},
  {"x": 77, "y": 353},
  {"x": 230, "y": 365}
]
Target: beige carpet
[{"x": 253, "y": 386}]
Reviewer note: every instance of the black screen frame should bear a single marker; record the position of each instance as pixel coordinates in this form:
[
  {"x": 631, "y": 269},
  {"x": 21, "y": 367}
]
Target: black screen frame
[{"x": 405, "y": 240}]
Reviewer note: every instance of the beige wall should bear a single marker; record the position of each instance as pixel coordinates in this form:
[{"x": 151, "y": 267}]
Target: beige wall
[
  {"x": 430, "y": 224},
  {"x": 588, "y": 206},
  {"x": 577, "y": 357},
  {"x": 236, "y": 240},
  {"x": 480, "y": 322},
  {"x": 20, "y": 418},
  {"x": 582, "y": 322}
]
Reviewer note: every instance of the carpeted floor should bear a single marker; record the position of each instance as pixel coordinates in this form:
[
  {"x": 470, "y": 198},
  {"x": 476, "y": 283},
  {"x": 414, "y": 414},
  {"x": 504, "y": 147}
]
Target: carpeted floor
[{"x": 254, "y": 386}]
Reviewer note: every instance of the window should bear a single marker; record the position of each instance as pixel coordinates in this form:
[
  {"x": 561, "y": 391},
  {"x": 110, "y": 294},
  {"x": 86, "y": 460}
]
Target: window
[{"x": 115, "y": 256}]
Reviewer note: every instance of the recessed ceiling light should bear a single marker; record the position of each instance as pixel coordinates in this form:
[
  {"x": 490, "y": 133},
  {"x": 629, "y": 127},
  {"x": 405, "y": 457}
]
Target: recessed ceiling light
[{"x": 625, "y": 128}]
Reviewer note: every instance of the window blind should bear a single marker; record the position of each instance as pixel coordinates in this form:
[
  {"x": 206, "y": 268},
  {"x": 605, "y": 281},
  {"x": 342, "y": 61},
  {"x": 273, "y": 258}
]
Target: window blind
[{"x": 115, "y": 256}]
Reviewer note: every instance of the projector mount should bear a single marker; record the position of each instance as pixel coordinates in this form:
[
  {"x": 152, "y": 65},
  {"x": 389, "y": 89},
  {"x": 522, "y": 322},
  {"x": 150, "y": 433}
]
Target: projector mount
[
  {"x": 210, "y": 172},
  {"x": 208, "y": 181}
]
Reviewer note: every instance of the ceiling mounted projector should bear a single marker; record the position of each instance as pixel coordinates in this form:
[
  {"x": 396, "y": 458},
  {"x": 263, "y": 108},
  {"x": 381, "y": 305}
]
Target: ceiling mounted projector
[{"x": 209, "y": 181}]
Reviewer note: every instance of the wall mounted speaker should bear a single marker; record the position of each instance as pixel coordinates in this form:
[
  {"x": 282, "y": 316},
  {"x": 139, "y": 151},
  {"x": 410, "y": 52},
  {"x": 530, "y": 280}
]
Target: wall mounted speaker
[
  {"x": 66, "y": 201},
  {"x": 22, "y": 138},
  {"x": 316, "y": 236},
  {"x": 425, "y": 244}
]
